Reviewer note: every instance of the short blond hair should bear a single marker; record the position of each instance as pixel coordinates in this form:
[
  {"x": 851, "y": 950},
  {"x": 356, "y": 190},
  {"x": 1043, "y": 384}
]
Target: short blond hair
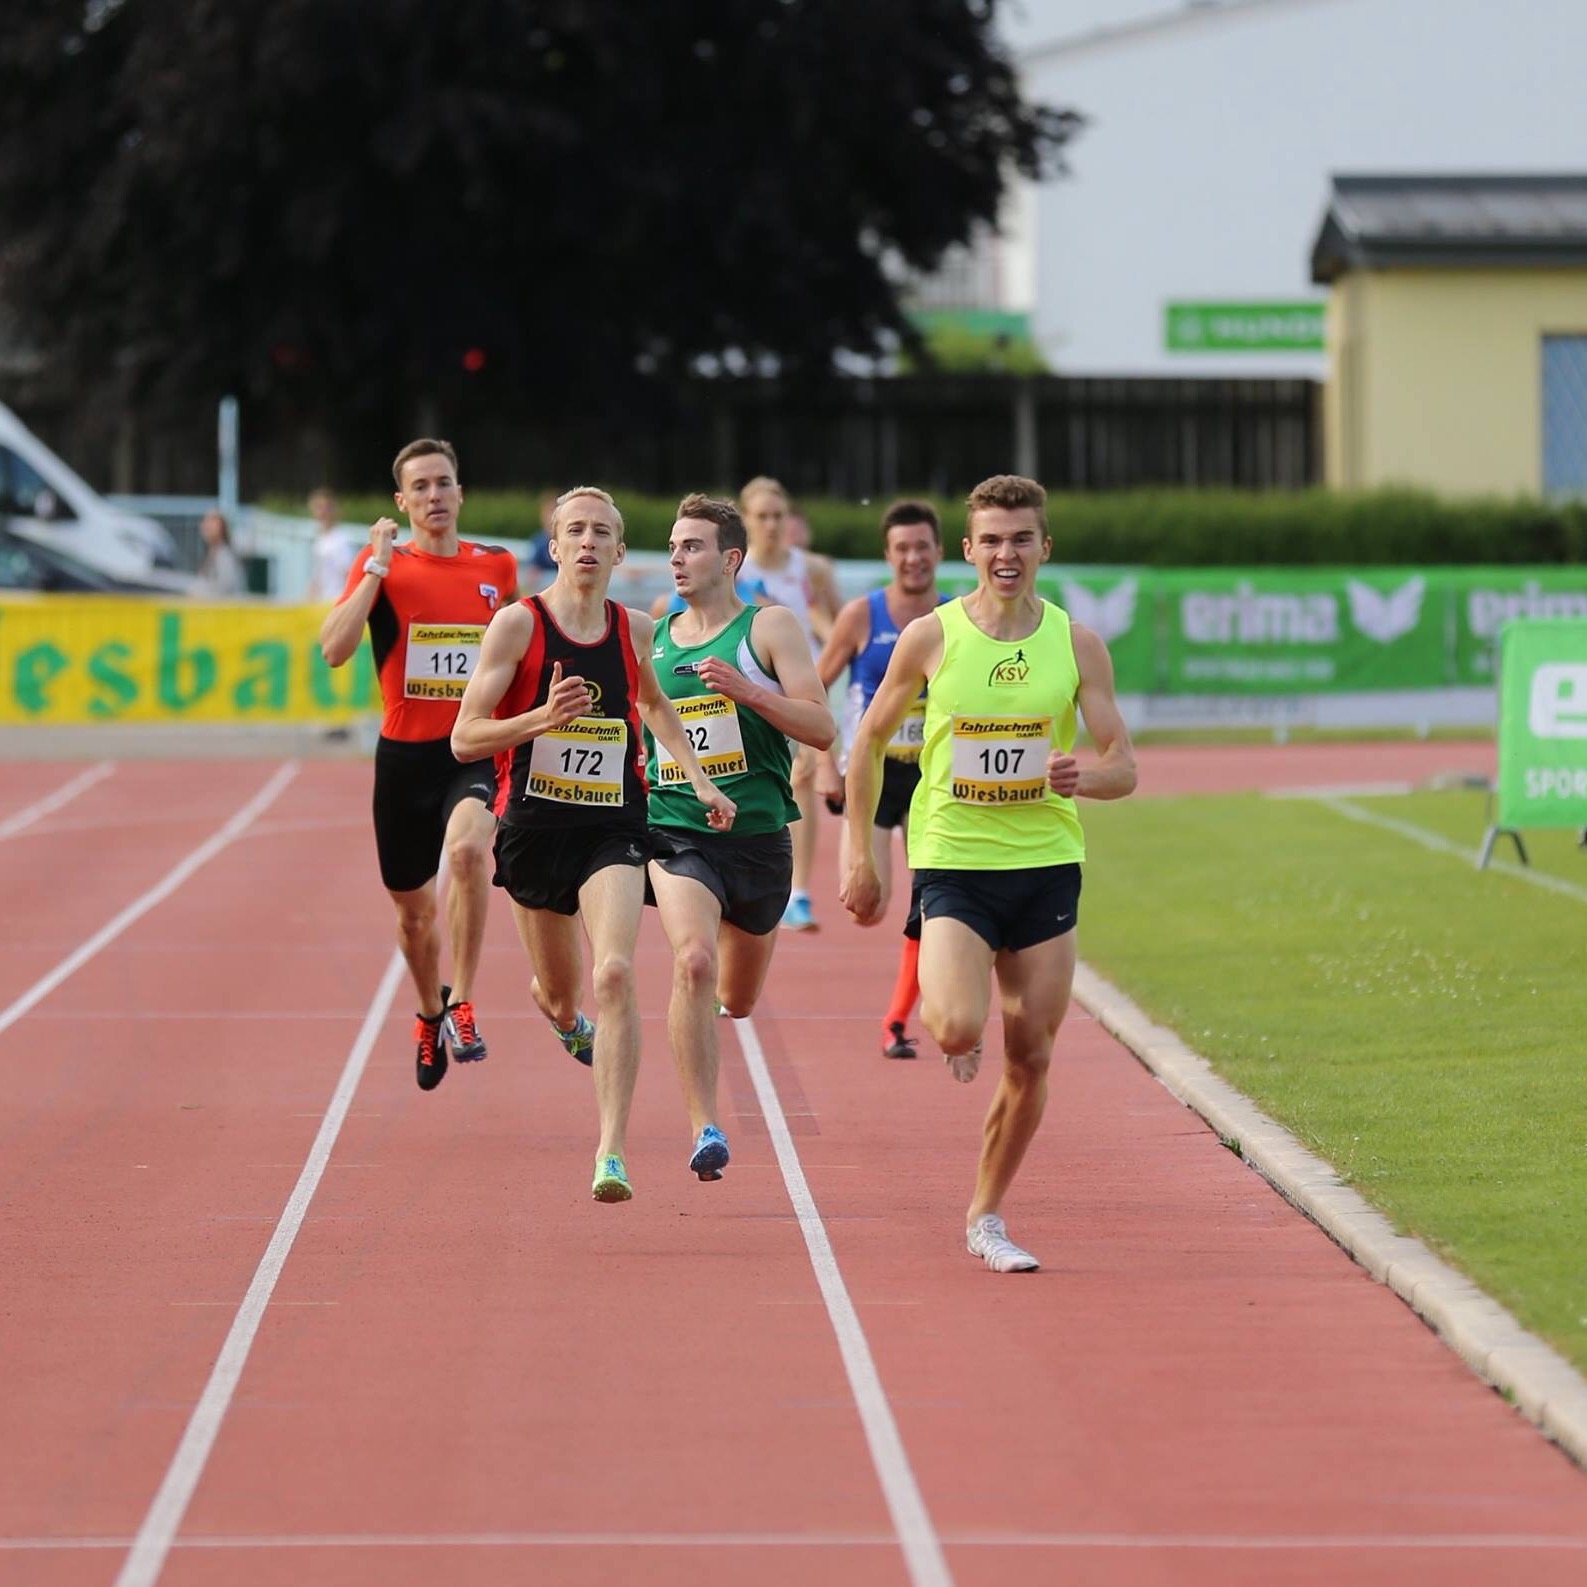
[
  {"x": 584, "y": 490},
  {"x": 1009, "y": 491},
  {"x": 760, "y": 484}
]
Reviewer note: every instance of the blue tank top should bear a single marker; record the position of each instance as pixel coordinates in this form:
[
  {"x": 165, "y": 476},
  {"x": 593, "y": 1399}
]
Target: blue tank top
[{"x": 866, "y": 672}]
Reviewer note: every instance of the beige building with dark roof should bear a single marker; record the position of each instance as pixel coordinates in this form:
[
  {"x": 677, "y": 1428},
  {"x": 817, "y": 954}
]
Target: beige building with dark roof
[{"x": 1457, "y": 332}]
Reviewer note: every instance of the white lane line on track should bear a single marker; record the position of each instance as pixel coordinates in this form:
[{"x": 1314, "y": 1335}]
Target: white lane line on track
[
  {"x": 157, "y": 1535},
  {"x": 157, "y": 894},
  {"x": 1179, "y": 1541},
  {"x": 50, "y": 803},
  {"x": 1461, "y": 851},
  {"x": 916, "y": 1535}
]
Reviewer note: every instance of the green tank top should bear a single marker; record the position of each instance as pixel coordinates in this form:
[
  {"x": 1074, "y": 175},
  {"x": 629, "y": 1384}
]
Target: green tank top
[
  {"x": 994, "y": 711},
  {"x": 741, "y": 752}
]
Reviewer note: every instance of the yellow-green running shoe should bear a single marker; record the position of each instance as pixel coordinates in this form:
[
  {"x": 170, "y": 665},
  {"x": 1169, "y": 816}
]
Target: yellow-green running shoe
[{"x": 611, "y": 1180}]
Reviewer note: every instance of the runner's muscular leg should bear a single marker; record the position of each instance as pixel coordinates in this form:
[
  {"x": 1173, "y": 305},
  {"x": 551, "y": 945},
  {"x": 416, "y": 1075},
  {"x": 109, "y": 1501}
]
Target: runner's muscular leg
[
  {"x": 955, "y": 983},
  {"x": 469, "y": 832},
  {"x": 690, "y": 916},
  {"x": 420, "y": 942},
  {"x": 1033, "y": 989},
  {"x": 556, "y": 959},
  {"x": 745, "y": 960},
  {"x": 805, "y": 831},
  {"x": 611, "y": 902}
]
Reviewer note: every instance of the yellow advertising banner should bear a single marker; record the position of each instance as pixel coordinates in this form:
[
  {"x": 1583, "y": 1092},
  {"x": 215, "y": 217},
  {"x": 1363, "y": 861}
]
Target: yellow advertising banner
[{"x": 76, "y": 660}]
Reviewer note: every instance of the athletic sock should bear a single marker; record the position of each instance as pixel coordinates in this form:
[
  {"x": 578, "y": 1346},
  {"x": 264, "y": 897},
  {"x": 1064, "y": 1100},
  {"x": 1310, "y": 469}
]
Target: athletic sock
[{"x": 906, "y": 989}]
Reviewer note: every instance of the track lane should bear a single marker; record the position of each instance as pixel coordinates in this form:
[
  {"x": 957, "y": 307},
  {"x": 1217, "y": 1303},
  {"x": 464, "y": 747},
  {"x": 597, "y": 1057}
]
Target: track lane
[{"x": 1200, "y": 1387}]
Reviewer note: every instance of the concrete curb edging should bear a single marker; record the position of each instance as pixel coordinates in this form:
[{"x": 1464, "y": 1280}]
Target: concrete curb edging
[{"x": 1545, "y": 1387}]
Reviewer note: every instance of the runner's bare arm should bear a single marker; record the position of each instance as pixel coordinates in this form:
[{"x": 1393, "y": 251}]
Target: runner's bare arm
[
  {"x": 847, "y": 639},
  {"x": 801, "y": 710},
  {"x": 914, "y": 659},
  {"x": 656, "y": 712},
  {"x": 343, "y": 629},
  {"x": 845, "y": 642},
  {"x": 824, "y": 596},
  {"x": 476, "y": 733},
  {"x": 1113, "y": 774}
]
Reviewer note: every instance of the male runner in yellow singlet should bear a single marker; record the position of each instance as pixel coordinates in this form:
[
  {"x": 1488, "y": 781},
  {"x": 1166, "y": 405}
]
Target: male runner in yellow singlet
[{"x": 993, "y": 832}]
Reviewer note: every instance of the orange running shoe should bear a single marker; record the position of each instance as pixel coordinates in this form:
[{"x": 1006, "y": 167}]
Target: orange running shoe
[{"x": 430, "y": 1059}]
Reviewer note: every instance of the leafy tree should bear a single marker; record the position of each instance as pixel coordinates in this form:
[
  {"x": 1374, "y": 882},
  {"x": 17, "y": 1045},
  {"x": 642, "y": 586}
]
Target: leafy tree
[{"x": 366, "y": 206}]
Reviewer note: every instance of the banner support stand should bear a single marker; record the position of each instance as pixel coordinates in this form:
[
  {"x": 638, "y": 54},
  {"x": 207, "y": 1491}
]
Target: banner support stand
[{"x": 1491, "y": 837}]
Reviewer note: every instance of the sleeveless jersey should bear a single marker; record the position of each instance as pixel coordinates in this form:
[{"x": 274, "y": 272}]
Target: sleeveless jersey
[
  {"x": 995, "y": 710},
  {"x": 425, "y": 630},
  {"x": 866, "y": 672},
  {"x": 590, "y": 771},
  {"x": 740, "y": 751},
  {"x": 787, "y": 586}
]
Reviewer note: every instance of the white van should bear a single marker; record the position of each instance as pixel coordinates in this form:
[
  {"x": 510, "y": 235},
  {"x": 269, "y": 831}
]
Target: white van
[{"x": 42, "y": 500}]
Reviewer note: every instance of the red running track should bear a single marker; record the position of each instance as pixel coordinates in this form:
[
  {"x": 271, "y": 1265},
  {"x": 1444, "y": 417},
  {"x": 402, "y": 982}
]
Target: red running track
[{"x": 469, "y": 1371}]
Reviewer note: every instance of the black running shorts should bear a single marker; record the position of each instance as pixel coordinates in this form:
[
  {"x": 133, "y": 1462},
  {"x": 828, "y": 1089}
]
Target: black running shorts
[
  {"x": 544, "y": 867},
  {"x": 417, "y": 787},
  {"x": 900, "y": 779},
  {"x": 750, "y": 876},
  {"x": 1007, "y": 909}
]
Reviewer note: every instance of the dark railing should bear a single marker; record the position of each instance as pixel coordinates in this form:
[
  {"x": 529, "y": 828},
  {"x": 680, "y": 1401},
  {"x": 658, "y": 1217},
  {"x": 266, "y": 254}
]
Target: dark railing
[{"x": 849, "y": 438}]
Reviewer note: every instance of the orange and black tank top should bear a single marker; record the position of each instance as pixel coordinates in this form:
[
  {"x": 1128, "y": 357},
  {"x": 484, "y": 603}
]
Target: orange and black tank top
[
  {"x": 590, "y": 771},
  {"x": 426, "y": 627}
]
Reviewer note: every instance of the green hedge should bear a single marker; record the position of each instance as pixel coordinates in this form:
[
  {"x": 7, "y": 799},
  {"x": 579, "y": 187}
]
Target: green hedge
[{"x": 1161, "y": 528}]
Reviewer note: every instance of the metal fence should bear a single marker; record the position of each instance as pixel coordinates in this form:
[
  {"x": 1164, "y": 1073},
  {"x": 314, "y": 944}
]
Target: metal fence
[{"x": 854, "y": 438}]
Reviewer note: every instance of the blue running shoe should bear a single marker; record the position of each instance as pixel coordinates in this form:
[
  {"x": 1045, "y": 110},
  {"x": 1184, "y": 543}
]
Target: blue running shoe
[
  {"x": 711, "y": 1155},
  {"x": 611, "y": 1181},
  {"x": 797, "y": 916},
  {"x": 580, "y": 1041}
]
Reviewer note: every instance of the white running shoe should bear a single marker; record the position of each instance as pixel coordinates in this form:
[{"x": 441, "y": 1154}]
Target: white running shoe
[
  {"x": 966, "y": 1065},
  {"x": 988, "y": 1239}
]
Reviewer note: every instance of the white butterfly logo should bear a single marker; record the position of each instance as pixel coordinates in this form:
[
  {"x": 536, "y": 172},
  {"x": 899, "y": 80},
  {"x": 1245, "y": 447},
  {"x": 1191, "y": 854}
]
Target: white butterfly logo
[
  {"x": 1385, "y": 617},
  {"x": 1109, "y": 614}
]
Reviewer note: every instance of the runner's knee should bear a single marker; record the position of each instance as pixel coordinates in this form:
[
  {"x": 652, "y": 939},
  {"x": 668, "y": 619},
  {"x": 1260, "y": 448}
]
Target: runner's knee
[
  {"x": 613, "y": 979},
  {"x": 694, "y": 965}
]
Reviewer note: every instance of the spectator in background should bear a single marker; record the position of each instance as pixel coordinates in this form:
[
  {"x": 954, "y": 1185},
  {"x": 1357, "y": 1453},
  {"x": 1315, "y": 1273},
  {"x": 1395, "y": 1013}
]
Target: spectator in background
[
  {"x": 540, "y": 567},
  {"x": 334, "y": 549},
  {"x": 220, "y": 571},
  {"x": 825, "y": 599}
]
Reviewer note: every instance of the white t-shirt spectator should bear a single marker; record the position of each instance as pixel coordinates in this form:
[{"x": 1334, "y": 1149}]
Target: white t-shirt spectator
[{"x": 334, "y": 550}]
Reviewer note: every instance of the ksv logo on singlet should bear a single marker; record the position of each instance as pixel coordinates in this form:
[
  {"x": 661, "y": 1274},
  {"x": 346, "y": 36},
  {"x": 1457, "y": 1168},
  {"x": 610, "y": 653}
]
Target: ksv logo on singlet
[
  {"x": 1013, "y": 672},
  {"x": 492, "y": 595}
]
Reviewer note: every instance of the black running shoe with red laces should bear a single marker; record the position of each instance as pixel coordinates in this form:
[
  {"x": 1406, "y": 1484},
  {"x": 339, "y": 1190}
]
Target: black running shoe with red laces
[
  {"x": 430, "y": 1034},
  {"x": 901, "y": 1046},
  {"x": 462, "y": 1034}
]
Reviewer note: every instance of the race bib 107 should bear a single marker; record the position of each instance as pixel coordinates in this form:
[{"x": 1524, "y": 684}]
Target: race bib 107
[{"x": 1001, "y": 760}]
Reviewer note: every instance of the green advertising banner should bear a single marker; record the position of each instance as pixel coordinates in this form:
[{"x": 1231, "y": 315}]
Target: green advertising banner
[
  {"x": 1243, "y": 327},
  {"x": 1543, "y": 725}
]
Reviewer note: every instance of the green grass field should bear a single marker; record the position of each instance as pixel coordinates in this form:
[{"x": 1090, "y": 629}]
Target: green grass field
[{"x": 1420, "y": 1024}]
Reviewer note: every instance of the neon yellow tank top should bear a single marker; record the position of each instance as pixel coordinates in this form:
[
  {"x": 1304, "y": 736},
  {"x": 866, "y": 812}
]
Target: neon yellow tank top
[{"x": 994, "y": 711}]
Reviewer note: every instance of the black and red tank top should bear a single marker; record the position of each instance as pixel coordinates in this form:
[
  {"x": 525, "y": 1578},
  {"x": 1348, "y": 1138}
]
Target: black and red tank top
[{"x": 590, "y": 771}]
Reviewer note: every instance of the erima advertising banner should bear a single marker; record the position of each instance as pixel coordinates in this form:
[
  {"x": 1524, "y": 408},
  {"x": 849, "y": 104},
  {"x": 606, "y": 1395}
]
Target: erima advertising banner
[
  {"x": 1232, "y": 631},
  {"x": 79, "y": 660},
  {"x": 1294, "y": 633},
  {"x": 1543, "y": 725}
]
